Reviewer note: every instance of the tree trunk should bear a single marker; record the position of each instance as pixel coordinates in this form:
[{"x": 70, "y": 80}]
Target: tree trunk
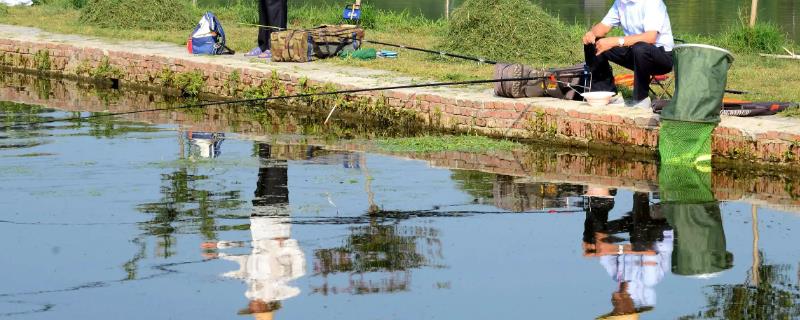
[{"x": 753, "y": 12}]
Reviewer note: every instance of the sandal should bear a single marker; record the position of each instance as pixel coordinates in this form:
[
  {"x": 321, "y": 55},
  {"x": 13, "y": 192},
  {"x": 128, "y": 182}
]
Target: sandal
[
  {"x": 265, "y": 55},
  {"x": 253, "y": 53}
]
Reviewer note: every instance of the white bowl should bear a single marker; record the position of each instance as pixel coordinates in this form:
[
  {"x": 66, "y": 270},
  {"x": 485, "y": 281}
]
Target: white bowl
[{"x": 598, "y": 98}]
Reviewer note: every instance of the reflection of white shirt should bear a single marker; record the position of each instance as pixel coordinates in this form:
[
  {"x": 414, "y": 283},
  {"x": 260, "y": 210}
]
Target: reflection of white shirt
[
  {"x": 272, "y": 264},
  {"x": 641, "y": 272}
]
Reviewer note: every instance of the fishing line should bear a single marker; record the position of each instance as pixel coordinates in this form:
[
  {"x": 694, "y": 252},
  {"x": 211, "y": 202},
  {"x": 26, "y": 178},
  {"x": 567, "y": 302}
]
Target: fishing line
[
  {"x": 442, "y": 53},
  {"x": 255, "y": 100}
]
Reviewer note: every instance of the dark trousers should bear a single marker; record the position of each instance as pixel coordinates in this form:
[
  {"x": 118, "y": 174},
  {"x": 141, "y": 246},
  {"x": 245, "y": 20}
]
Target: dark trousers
[
  {"x": 270, "y": 13},
  {"x": 646, "y": 60}
]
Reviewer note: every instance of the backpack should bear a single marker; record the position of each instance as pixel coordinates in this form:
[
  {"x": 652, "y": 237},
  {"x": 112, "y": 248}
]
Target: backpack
[
  {"x": 562, "y": 83},
  {"x": 208, "y": 37},
  {"x": 321, "y": 42}
]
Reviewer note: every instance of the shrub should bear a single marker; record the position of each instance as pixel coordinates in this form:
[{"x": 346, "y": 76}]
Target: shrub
[
  {"x": 140, "y": 14},
  {"x": 762, "y": 38},
  {"x": 511, "y": 30}
]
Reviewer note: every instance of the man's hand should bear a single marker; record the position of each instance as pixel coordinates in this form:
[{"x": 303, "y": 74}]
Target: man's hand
[
  {"x": 605, "y": 44},
  {"x": 589, "y": 38}
]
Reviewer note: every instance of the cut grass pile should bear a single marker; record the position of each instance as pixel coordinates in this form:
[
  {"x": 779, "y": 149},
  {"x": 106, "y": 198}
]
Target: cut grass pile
[
  {"x": 140, "y": 14},
  {"x": 511, "y": 30},
  {"x": 463, "y": 143}
]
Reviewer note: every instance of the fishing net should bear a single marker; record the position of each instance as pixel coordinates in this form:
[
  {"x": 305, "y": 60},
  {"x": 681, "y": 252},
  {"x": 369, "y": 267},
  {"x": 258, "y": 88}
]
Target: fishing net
[
  {"x": 681, "y": 142},
  {"x": 689, "y": 119},
  {"x": 683, "y": 184}
]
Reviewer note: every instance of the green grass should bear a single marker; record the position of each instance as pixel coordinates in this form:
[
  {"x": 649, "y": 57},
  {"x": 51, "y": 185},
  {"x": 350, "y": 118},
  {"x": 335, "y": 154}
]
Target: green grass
[
  {"x": 464, "y": 143},
  {"x": 511, "y": 30},
  {"x": 139, "y": 14}
]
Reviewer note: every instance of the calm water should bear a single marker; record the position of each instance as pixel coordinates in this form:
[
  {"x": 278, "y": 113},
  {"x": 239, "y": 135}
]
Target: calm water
[
  {"x": 695, "y": 16},
  {"x": 232, "y": 214}
]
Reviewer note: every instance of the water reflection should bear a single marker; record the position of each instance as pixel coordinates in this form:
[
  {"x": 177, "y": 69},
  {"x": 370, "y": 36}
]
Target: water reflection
[
  {"x": 636, "y": 264},
  {"x": 689, "y": 205},
  {"x": 378, "y": 258},
  {"x": 517, "y": 195},
  {"x": 205, "y": 144},
  {"x": 275, "y": 258}
]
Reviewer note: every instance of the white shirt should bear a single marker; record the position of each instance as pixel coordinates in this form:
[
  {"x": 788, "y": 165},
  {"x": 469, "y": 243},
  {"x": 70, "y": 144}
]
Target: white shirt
[{"x": 640, "y": 16}]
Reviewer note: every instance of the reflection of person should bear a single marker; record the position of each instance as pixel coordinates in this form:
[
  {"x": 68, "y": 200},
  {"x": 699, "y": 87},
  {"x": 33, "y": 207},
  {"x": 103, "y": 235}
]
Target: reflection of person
[
  {"x": 636, "y": 267},
  {"x": 275, "y": 259},
  {"x": 208, "y": 144},
  {"x": 646, "y": 47}
]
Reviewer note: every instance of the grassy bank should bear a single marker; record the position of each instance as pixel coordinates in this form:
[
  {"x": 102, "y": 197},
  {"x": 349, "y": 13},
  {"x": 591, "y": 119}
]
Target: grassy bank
[{"x": 765, "y": 78}]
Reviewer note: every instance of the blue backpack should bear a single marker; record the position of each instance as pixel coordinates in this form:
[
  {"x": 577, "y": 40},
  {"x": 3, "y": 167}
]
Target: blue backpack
[{"x": 208, "y": 37}]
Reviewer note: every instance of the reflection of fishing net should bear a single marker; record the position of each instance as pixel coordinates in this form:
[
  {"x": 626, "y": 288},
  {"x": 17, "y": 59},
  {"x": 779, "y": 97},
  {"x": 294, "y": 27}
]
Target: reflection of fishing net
[
  {"x": 688, "y": 203},
  {"x": 700, "y": 77},
  {"x": 700, "y": 246},
  {"x": 685, "y": 142},
  {"x": 684, "y": 184}
]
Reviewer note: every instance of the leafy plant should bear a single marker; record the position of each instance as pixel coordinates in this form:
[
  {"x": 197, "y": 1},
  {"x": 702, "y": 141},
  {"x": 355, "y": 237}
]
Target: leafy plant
[{"x": 190, "y": 83}]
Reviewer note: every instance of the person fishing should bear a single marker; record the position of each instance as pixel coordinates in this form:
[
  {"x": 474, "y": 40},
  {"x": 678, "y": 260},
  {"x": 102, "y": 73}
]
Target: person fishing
[
  {"x": 646, "y": 47},
  {"x": 271, "y": 13}
]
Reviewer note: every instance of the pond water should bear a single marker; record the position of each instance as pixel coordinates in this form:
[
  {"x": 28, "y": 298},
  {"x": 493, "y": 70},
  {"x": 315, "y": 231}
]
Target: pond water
[
  {"x": 687, "y": 16},
  {"x": 240, "y": 213}
]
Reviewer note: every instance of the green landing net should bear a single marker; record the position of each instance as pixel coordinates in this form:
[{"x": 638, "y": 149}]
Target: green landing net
[{"x": 701, "y": 74}]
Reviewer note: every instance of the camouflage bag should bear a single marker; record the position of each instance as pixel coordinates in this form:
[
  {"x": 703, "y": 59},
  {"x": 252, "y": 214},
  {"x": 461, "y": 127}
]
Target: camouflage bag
[
  {"x": 290, "y": 46},
  {"x": 518, "y": 88},
  {"x": 567, "y": 83},
  {"x": 330, "y": 40},
  {"x": 564, "y": 83}
]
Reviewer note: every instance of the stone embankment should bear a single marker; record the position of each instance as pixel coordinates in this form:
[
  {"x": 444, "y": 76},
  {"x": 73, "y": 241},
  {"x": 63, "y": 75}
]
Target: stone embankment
[{"x": 769, "y": 140}]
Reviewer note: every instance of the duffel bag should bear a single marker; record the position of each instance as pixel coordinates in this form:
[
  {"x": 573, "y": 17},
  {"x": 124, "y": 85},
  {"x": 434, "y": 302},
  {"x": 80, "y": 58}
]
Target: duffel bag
[
  {"x": 291, "y": 46},
  {"x": 330, "y": 40},
  {"x": 567, "y": 83},
  {"x": 518, "y": 88}
]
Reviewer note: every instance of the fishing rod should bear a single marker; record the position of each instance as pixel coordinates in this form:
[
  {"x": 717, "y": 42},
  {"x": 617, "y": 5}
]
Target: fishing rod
[
  {"x": 441, "y": 53},
  {"x": 255, "y": 100}
]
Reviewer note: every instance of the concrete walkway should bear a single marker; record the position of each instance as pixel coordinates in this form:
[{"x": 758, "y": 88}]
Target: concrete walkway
[{"x": 772, "y": 140}]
